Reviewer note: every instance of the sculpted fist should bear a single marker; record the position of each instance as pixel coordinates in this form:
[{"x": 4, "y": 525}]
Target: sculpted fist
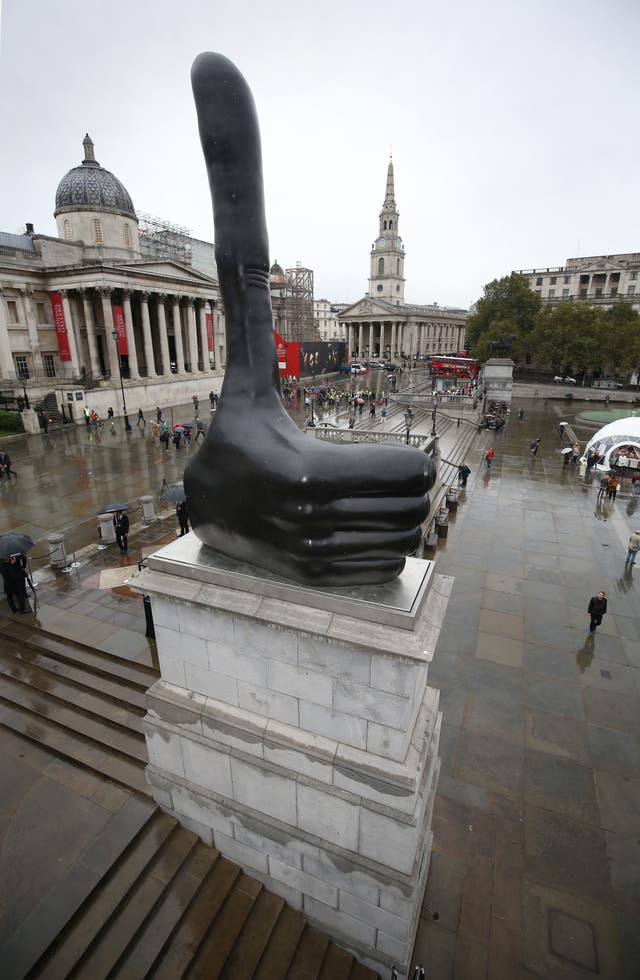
[{"x": 258, "y": 489}]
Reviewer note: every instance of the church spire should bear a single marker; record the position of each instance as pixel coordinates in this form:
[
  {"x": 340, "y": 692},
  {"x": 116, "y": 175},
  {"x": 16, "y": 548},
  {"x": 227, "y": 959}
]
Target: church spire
[{"x": 390, "y": 197}]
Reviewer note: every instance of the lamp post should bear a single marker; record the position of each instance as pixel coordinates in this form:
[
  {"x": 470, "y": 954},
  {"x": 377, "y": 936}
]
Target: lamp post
[
  {"x": 127, "y": 424},
  {"x": 408, "y": 421},
  {"x": 433, "y": 416},
  {"x": 312, "y": 421}
]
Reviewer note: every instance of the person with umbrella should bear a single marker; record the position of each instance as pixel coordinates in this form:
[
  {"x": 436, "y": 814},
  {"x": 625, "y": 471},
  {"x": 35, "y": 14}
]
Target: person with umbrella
[
  {"x": 14, "y": 576},
  {"x": 121, "y": 524}
]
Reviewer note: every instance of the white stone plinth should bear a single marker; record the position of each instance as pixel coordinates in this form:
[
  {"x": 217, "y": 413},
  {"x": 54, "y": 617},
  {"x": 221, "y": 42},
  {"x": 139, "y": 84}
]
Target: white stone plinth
[{"x": 294, "y": 729}]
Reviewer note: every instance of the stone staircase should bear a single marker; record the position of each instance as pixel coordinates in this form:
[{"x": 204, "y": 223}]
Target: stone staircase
[{"x": 146, "y": 898}]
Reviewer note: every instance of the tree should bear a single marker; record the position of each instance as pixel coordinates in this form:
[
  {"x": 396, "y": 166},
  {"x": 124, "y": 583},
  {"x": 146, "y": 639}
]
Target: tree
[
  {"x": 508, "y": 307},
  {"x": 569, "y": 337},
  {"x": 622, "y": 325}
]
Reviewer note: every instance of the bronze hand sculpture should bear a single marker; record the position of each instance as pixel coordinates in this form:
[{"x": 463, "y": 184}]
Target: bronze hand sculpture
[{"x": 259, "y": 489}]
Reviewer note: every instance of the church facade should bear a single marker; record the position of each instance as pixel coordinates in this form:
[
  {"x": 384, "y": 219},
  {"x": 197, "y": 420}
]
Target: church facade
[
  {"x": 77, "y": 310},
  {"x": 381, "y": 325}
]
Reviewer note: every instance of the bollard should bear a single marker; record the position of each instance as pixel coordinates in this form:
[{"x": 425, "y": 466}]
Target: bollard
[
  {"x": 442, "y": 523},
  {"x": 107, "y": 531},
  {"x": 452, "y": 498},
  {"x": 148, "y": 513},
  {"x": 57, "y": 554}
]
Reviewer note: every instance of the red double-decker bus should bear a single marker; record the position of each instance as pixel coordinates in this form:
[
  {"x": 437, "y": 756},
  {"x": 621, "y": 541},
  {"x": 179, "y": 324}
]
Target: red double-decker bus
[{"x": 451, "y": 366}]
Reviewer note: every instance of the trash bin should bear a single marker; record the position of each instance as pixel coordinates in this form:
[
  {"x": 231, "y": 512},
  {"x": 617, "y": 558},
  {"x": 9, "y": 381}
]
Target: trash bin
[
  {"x": 442, "y": 523},
  {"x": 452, "y": 498},
  {"x": 148, "y": 616}
]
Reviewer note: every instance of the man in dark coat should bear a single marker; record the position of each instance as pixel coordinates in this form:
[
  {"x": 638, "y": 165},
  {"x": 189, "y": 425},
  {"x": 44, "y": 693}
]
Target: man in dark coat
[
  {"x": 121, "y": 524},
  {"x": 15, "y": 582},
  {"x": 182, "y": 513},
  {"x": 596, "y": 609},
  {"x": 463, "y": 474}
]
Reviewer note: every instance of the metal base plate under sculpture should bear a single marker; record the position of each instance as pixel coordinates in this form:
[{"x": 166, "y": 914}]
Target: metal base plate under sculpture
[{"x": 293, "y": 728}]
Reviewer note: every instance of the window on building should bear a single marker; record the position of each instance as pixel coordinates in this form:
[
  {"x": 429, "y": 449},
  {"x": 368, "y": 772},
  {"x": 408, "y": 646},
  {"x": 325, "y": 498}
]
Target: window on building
[
  {"x": 633, "y": 276},
  {"x": 397, "y": 289},
  {"x": 22, "y": 368},
  {"x": 553, "y": 280},
  {"x": 390, "y": 225},
  {"x": 12, "y": 308},
  {"x": 380, "y": 287},
  {"x": 127, "y": 236},
  {"x": 565, "y": 293},
  {"x": 68, "y": 231},
  {"x": 614, "y": 277},
  {"x": 384, "y": 225},
  {"x": 380, "y": 267},
  {"x": 631, "y": 291},
  {"x": 539, "y": 281},
  {"x": 583, "y": 294},
  {"x": 598, "y": 292},
  {"x": 614, "y": 290},
  {"x": 49, "y": 365},
  {"x": 42, "y": 313},
  {"x": 552, "y": 293},
  {"x": 398, "y": 267},
  {"x": 567, "y": 280},
  {"x": 584, "y": 280},
  {"x": 538, "y": 292},
  {"x": 97, "y": 231}
]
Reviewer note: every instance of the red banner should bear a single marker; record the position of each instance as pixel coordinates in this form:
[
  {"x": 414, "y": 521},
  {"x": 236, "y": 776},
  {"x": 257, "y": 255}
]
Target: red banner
[
  {"x": 208, "y": 318},
  {"x": 60, "y": 326},
  {"x": 121, "y": 330}
]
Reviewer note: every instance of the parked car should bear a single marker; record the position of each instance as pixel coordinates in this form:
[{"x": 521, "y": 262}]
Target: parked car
[
  {"x": 358, "y": 369},
  {"x": 606, "y": 383},
  {"x": 376, "y": 364},
  {"x": 567, "y": 381}
]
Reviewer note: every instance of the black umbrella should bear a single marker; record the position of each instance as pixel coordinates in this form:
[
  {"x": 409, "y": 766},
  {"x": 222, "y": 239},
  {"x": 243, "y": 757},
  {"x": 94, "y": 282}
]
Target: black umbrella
[
  {"x": 174, "y": 495},
  {"x": 112, "y": 508},
  {"x": 14, "y": 544}
]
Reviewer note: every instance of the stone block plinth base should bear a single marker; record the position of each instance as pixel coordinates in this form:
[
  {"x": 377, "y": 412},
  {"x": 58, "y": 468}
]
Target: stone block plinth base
[{"x": 294, "y": 729}]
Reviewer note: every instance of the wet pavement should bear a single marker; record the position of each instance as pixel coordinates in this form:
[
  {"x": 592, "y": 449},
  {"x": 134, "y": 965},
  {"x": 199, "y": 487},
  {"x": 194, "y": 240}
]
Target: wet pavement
[
  {"x": 536, "y": 857},
  {"x": 536, "y": 864}
]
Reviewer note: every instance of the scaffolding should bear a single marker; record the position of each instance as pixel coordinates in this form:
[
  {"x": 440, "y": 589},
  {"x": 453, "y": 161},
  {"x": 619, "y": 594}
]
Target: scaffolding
[
  {"x": 164, "y": 239},
  {"x": 298, "y": 303}
]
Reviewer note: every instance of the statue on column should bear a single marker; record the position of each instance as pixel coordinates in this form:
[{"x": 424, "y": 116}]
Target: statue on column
[{"x": 259, "y": 489}]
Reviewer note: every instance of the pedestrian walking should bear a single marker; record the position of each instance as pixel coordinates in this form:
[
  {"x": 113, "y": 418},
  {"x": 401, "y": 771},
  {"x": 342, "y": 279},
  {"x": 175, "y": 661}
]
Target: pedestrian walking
[
  {"x": 158, "y": 415},
  {"x": 383, "y": 414},
  {"x": 463, "y": 475},
  {"x": 14, "y": 576},
  {"x": 5, "y": 466},
  {"x": 535, "y": 446},
  {"x": 141, "y": 419},
  {"x": 121, "y": 525},
  {"x": 212, "y": 403},
  {"x": 196, "y": 403},
  {"x": 182, "y": 513},
  {"x": 488, "y": 457},
  {"x": 521, "y": 415},
  {"x": 199, "y": 428},
  {"x": 87, "y": 416},
  {"x": 110, "y": 417},
  {"x": 612, "y": 487},
  {"x": 603, "y": 488},
  {"x": 596, "y": 609},
  {"x": 633, "y": 546}
]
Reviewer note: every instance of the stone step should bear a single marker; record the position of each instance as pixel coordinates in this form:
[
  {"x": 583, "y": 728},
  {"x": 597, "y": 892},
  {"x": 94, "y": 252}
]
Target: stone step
[
  {"x": 86, "y": 699},
  {"x": 336, "y": 964},
  {"x": 29, "y": 943},
  {"x": 225, "y": 929},
  {"x": 309, "y": 954},
  {"x": 256, "y": 935},
  {"x": 136, "y": 907},
  {"x": 112, "y": 688},
  {"x": 28, "y": 694},
  {"x": 70, "y": 945},
  {"x": 277, "y": 957},
  {"x": 101, "y": 663},
  {"x": 70, "y": 745}
]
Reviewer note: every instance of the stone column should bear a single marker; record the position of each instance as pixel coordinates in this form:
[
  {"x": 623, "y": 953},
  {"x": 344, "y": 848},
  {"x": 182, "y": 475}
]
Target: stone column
[
  {"x": 90, "y": 326},
  {"x": 146, "y": 335},
  {"x": 107, "y": 315},
  {"x": 393, "y": 339},
  {"x": 202, "y": 324},
  {"x": 192, "y": 339},
  {"x": 371, "y": 329},
  {"x": 164, "y": 337},
  {"x": 177, "y": 332},
  {"x": 32, "y": 329},
  {"x": 7, "y": 367},
  {"x": 360, "y": 339},
  {"x": 382, "y": 340},
  {"x": 134, "y": 371},
  {"x": 71, "y": 333}
]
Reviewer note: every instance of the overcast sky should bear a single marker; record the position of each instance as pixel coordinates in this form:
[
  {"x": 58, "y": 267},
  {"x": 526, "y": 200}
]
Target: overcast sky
[{"x": 514, "y": 126}]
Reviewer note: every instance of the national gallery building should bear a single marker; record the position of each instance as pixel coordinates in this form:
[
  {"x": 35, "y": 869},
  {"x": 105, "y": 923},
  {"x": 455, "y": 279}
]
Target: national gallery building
[{"x": 77, "y": 310}]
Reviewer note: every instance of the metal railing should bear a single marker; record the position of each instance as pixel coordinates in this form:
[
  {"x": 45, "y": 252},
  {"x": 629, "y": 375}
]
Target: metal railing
[{"x": 428, "y": 443}]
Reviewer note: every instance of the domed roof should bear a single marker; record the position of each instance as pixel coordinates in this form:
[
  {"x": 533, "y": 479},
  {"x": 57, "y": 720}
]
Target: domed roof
[
  {"x": 622, "y": 432},
  {"x": 90, "y": 187},
  {"x": 276, "y": 270}
]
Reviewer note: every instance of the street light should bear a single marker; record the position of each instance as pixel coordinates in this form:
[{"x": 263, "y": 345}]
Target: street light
[
  {"x": 312, "y": 421},
  {"x": 127, "y": 424},
  {"x": 408, "y": 421},
  {"x": 433, "y": 416}
]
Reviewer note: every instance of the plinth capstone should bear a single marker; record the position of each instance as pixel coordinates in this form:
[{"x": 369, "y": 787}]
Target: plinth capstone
[{"x": 293, "y": 728}]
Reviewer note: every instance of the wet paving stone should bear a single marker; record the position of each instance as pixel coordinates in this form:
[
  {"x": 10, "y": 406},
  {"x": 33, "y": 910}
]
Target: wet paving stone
[{"x": 566, "y": 853}]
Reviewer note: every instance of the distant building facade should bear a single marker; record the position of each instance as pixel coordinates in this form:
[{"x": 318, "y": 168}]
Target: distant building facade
[
  {"x": 601, "y": 280},
  {"x": 382, "y": 325},
  {"x": 63, "y": 299},
  {"x": 325, "y": 315}
]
